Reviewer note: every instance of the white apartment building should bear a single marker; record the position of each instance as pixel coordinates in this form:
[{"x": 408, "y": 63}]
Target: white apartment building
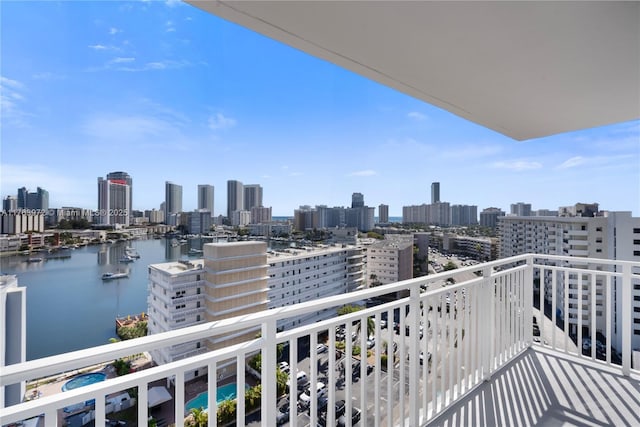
[
  {"x": 614, "y": 235},
  {"x": 304, "y": 274},
  {"x": 390, "y": 260},
  {"x": 13, "y": 334},
  {"x": 176, "y": 299},
  {"x": 241, "y": 277}
]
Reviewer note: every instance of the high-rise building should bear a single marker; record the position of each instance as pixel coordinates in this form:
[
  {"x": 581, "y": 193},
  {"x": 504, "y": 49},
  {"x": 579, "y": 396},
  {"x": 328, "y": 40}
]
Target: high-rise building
[
  {"x": 241, "y": 278},
  {"x": 39, "y": 200},
  {"x": 383, "y": 214},
  {"x": 173, "y": 202},
  {"x": 114, "y": 201},
  {"x": 235, "y": 197},
  {"x": 205, "y": 197},
  {"x": 123, "y": 176},
  {"x": 357, "y": 200},
  {"x": 390, "y": 260},
  {"x": 260, "y": 215},
  {"x": 613, "y": 235},
  {"x": 464, "y": 215},
  {"x": 10, "y": 203},
  {"x": 252, "y": 196},
  {"x": 13, "y": 334},
  {"x": 489, "y": 217},
  {"x": 435, "y": 192},
  {"x": 521, "y": 209}
]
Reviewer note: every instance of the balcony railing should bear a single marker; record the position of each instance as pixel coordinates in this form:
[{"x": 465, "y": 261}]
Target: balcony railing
[{"x": 441, "y": 342}]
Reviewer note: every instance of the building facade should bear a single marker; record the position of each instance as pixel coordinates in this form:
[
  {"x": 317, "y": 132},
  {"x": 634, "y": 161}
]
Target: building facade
[
  {"x": 300, "y": 275},
  {"x": 390, "y": 260},
  {"x": 613, "y": 235},
  {"x": 240, "y": 278},
  {"x": 383, "y": 214},
  {"x": 173, "y": 202},
  {"x": 435, "y": 192},
  {"x": 252, "y": 196},
  {"x": 114, "y": 201},
  {"x": 489, "y": 217},
  {"x": 13, "y": 333},
  {"x": 206, "y": 197},
  {"x": 235, "y": 197}
]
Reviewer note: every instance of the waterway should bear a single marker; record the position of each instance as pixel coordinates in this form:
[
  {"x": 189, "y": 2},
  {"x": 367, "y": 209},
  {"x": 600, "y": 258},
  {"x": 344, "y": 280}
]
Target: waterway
[{"x": 70, "y": 307}]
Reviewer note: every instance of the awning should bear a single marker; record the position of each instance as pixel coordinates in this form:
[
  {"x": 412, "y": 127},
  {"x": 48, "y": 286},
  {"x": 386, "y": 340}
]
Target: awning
[{"x": 158, "y": 395}]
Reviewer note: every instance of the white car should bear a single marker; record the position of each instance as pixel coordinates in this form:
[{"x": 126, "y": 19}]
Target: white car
[
  {"x": 284, "y": 367},
  {"x": 321, "y": 390},
  {"x": 321, "y": 348}
]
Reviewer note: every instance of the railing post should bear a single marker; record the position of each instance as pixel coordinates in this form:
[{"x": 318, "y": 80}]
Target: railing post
[
  {"x": 527, "y": 288},
  {"x": 626, "y": 324},
  {"x": 488, "y": 296},
  {"x": 414, "y": 354},
  {"x": 269, "y": 380}
]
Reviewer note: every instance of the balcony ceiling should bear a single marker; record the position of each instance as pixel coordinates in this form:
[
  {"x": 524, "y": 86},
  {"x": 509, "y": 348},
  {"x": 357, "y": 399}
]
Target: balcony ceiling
[{"x": 523, "y": 69}]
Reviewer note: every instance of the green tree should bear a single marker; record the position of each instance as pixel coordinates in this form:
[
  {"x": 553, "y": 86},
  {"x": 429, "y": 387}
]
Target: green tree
[
  {"x": 199, "y": 417},
  {"x": 450, "y": 266},
  {"x": 226, "y": 411}
]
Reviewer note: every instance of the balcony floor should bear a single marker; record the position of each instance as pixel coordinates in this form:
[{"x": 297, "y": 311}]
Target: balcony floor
[{"x": 547, "y": 388}]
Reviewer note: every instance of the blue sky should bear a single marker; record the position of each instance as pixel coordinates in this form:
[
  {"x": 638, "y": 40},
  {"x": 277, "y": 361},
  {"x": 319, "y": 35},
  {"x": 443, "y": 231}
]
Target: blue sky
[{"x": 166, "y": 92}]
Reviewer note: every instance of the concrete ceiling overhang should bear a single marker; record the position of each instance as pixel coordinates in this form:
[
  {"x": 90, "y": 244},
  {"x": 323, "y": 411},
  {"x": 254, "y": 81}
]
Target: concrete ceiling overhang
[{"x": 523, "y": 69}]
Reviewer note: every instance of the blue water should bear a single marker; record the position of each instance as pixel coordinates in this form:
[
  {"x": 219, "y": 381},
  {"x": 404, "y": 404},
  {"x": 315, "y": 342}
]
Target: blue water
[
  {"x": 83, "y": 380},
  {"x": 69, "y": 307},
  {"x": 225, "y": 392}
]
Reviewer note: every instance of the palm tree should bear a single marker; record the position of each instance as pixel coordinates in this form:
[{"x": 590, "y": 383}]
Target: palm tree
[{"x": 200, "y": 417}]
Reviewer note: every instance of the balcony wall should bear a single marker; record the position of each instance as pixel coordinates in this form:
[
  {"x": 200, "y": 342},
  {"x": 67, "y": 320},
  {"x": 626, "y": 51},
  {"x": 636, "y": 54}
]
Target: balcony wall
[{"x": 471, "y": 329}]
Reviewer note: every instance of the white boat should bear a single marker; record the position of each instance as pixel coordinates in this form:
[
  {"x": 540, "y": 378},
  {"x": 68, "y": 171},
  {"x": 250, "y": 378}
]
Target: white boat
[
  {"x": 132, "y": 253},
  {"x": 34, "y": 260},
  {"x": 127, "y": 258},
  {"x": 113, "y": 276}
]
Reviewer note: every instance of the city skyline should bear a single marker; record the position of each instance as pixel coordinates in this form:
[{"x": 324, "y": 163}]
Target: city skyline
[{"x": 148, "y": 88}]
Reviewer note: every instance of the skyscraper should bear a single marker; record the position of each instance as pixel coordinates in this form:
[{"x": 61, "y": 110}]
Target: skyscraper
[
  {"x": 252, "y": 196},
  {"x": 205, "y": 197},
  {"x": 435, "y": 192},
  {"x": 123, "y": 176},
  {"x": 10, "y": 203},
  {"x": 383, "y": 214},
  {"x": 38, "y": 200},
  {"x": 235, "y": 197},
  {"x": 173, "y": 201},
  {"x": 357, "y": 200},
  {"x": 114, "y": 201}
]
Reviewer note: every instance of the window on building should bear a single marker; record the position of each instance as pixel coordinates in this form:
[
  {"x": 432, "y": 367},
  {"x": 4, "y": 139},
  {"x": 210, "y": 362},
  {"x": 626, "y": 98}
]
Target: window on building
[{"x": 636, "y": 231}]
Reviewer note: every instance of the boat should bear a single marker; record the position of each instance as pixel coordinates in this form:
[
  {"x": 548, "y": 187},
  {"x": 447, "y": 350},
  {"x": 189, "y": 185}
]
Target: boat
[
  {"x": 127, "y": 258},
  {"x": 132, "y": 253},
  {"x": 34, "y": 260},
  {"x": 113, "y": 276},
  {"x": 194, "y": 251}
]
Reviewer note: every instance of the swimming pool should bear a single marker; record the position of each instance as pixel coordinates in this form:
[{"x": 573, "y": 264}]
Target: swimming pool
[
  {"x": 83, "y": 380},
  {"x": 225, "y": 392}
]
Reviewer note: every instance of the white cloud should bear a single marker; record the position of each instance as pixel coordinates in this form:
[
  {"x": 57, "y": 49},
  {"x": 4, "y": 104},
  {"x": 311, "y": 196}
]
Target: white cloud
[
  {"x": 220, "y": 122},
  {"x": 170, "y": 26},
  {"x": 120, "y": 60},
  {"x": 114, "y": 30},
  {"x": 172, "y": 3},
  {"x": 367, "y": 172},
  {"x": 102, "y": 47},
  {"x": 517, "y": 165},
  {"x": 46, "y": 75},
  {"x": 572, "y": 162},
  {"x": 417, "y": 116},
  {"x": 11, "y": 102}
]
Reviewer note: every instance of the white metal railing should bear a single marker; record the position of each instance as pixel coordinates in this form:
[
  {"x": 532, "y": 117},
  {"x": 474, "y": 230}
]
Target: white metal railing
[{"x": 440, "y": 342}]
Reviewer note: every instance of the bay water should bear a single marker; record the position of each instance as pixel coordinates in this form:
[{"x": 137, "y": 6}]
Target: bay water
[{"x": 70, "y": 307}]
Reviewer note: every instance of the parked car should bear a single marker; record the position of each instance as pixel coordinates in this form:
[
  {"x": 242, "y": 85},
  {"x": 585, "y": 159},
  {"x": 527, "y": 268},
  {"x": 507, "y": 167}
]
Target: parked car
[
  {"x": 355, "y": 417},
  {"x": 321, "y": 348},
  {"x": 284, "y": 367},
  {"x": 321, "y": 390}
]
